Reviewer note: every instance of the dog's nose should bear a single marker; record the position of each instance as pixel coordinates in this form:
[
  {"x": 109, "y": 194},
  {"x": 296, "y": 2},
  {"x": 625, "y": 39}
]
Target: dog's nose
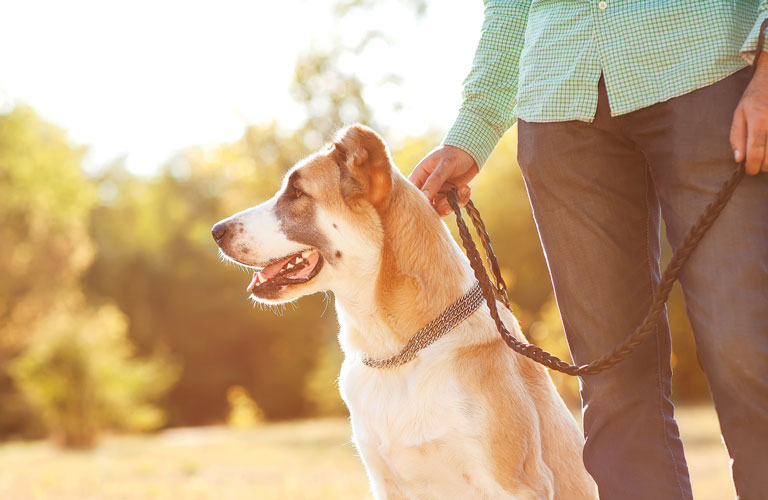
[{"x": 219, "y": 230}]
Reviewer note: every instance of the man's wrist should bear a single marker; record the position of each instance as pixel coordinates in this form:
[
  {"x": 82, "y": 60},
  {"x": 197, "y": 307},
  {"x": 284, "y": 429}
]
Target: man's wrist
[{"x": 473, "y": 135}]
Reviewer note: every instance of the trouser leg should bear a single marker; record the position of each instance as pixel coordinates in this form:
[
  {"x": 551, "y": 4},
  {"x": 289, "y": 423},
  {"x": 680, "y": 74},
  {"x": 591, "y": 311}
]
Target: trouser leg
[
  {"x": 725, "y": 283},
  {"x": 597, "y": 216}
]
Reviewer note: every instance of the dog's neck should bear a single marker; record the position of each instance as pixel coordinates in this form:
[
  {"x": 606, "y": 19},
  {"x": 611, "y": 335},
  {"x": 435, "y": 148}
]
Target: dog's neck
[{"x": 421, "y": 272}]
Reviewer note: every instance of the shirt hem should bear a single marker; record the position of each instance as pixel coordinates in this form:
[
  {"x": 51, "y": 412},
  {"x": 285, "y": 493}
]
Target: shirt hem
[
  {"x": 686, "y": 90},
  {"x": 544, "y": 118}
]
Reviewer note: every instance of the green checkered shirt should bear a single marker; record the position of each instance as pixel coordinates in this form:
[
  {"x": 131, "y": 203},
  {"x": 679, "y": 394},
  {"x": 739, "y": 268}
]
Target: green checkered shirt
[{"x": 541, "y": 60}]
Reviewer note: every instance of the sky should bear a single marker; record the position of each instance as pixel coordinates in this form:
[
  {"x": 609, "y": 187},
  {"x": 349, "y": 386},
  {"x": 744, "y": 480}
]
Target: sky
[{"x": 141, "y": 80}]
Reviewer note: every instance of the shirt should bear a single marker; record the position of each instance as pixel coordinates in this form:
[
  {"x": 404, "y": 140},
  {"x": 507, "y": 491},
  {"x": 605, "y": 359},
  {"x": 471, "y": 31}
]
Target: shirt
[{"x": 541, "y": 60}]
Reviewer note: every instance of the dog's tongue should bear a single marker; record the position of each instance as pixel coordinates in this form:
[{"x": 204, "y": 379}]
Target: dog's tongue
[
  {"x": 268, "y": 272},
  {"x": 304, "y": 273},
  {"x": 271, "y": 270},
  {"x": 310, "y": 260}
]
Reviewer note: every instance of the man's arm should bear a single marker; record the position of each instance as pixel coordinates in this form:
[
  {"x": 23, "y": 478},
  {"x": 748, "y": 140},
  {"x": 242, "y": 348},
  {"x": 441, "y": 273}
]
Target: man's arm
[
  {"x": 749, "y": 130},
  {"x": 487, "y": 108}
]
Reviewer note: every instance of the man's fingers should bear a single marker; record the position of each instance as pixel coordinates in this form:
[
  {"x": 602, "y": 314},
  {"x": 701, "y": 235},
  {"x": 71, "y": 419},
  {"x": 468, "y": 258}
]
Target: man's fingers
[
  {"x": 422, "y": 171},
  {"x": 441, "y": 205},
  {"x": 739, "y": 135},
  {"x": 755, "y": 150},
  {"x": 464, "y": 193},
  {"x": 435, "y": 181}
]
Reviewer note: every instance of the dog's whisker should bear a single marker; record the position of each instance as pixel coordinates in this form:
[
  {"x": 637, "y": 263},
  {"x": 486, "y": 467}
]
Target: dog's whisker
[{"x": 326, "y": 300}]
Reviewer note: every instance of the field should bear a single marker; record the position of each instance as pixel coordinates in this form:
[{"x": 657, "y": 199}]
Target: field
[{"x": 306, "y": 460}]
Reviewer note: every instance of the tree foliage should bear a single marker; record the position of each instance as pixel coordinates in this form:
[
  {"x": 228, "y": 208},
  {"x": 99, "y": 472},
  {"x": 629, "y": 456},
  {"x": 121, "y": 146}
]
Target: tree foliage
[
  {"x": 45, "y": 201},
  {"x": 81, "y": 375},
  {"x": 65, "y": 364},
  {"x": 44, "y": 244}
]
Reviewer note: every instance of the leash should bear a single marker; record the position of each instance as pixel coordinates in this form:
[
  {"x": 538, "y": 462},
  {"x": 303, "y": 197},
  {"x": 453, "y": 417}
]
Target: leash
[{"x": 497, "y": 289}]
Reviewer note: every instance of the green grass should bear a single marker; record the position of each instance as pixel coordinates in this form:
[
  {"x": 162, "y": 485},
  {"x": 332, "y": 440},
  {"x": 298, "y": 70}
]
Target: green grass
[{"x": 310, "y": 459}]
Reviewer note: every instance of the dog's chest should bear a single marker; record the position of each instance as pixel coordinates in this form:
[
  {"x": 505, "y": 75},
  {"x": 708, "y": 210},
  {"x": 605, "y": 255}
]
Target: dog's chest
[{"x": 403, "y": 407}]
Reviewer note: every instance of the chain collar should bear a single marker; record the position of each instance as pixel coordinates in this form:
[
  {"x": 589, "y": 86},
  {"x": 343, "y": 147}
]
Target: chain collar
[{"x": 448, "y": 319}]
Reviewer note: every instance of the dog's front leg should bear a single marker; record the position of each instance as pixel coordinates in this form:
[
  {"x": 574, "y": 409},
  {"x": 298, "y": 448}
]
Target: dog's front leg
[
  {"x": 444, "y": 469},
  {"x": 383, "y": 482}
]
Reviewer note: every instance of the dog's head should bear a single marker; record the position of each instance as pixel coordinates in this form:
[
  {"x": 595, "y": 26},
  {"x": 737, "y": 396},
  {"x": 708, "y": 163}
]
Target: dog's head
[{"x": 322, "y": 226}]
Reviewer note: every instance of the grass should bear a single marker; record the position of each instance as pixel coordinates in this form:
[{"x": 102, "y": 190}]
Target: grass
[{"x": 305, "y": 460}]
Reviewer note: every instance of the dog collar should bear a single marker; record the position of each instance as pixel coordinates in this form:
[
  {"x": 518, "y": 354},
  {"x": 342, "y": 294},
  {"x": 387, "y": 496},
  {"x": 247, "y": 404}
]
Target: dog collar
[{"x": 447, "y": 321}]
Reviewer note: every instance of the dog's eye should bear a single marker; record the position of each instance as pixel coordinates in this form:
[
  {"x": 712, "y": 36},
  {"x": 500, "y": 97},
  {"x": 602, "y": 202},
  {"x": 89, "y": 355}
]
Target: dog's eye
[{"x": 295, "y": 192}]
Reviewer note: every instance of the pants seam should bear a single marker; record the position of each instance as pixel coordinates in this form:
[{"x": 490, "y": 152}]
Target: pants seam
[{"x": 659, "y": 359}]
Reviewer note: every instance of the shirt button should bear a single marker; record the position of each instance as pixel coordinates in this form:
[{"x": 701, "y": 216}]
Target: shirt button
[{"x": 602, "y": 5}]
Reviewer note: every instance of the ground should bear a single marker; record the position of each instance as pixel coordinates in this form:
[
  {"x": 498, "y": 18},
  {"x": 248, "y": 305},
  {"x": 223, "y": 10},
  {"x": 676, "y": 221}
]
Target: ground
[{"x": 304, "y": 460}]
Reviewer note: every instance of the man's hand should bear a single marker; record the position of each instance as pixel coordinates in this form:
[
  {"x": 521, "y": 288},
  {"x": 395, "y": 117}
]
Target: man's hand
[
  {"x": 444, "y": 168},
  {"x": 749, "y": 131}
]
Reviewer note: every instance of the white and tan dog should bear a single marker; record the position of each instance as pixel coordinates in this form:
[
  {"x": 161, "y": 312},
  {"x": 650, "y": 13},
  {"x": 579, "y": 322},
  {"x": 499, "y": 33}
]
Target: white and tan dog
[{"x": 467, "y": 418}]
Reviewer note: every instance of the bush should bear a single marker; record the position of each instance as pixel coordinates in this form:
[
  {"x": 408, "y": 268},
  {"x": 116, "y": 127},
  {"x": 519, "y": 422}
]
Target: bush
[
  {"x": 243, "y": 410},
  {"x": 81, "y": 375}
]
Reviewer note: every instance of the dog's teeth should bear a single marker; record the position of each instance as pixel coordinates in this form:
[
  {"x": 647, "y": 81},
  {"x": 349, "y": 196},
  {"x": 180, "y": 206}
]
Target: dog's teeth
[
  {"x": 306, "y": 253},
  {"x": 261, "y": 279},
  {"x": 289, "y": 266}
]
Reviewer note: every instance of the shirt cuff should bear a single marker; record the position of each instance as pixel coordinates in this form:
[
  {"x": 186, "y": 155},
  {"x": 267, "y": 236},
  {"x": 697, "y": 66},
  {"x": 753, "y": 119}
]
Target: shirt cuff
[
  {"x": 749, "y": 47},
  {"x": 473, "y": 135}
]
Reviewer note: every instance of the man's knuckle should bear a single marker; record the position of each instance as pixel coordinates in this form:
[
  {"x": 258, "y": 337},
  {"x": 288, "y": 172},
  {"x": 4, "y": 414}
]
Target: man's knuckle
[{"x": 756, "y": 141}]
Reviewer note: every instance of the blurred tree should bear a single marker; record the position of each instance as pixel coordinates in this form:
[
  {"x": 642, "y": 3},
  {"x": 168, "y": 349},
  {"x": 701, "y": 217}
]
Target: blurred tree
[
  {"x": 321, "y": 389},
  {"x": 56, "y": 351},
  {"x": 327, "y": 80},
  {"x": 44, "y": 246},
  {"x": 344, "y": 7},
  {"x": 81, "y": 375},
  {"x": 331, "y": 97},
  {"x": 44, "y": 201},
  {"x": 243, "y": 410}
]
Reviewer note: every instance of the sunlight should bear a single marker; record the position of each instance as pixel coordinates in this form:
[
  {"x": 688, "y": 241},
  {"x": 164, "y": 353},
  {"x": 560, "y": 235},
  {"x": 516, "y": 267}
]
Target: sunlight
[{"x": 146, "y": 79}]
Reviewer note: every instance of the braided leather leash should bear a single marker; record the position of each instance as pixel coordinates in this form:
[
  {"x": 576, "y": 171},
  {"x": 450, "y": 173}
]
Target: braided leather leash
[{"x": 497, "y": 290}]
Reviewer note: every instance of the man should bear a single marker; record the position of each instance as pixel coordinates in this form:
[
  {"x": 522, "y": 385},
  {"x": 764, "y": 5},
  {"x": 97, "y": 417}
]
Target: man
[{"x": 628, "y": 110}]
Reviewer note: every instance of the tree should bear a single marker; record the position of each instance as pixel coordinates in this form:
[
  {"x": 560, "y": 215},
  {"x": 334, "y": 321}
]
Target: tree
[
  {"x": 81, "y": 375},
  {"x": 44, "y": 246},
  {"x": 58, "y": 352}
]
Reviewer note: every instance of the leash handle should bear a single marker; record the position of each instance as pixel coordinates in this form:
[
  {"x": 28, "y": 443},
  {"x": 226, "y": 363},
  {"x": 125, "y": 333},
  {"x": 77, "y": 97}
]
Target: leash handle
[{"x": 496, "y": 289}]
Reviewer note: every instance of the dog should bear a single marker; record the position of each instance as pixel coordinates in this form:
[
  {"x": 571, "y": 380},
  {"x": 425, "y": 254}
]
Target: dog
[{"x": 467, "y": 418}]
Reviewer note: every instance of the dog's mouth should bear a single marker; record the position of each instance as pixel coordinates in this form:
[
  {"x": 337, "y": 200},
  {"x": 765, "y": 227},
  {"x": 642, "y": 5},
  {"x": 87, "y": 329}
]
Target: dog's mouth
[{"x": 294, "y": 269}]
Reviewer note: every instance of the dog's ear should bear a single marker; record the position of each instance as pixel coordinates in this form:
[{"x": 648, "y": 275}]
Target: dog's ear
[{"x": 365, "y": 165}]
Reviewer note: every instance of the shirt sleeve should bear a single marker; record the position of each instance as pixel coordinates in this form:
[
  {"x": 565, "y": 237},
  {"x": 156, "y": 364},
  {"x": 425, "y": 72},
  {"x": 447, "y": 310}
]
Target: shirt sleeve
[
  {"x": 749, "y": 47},
  {"x": 487, "y": 109}
]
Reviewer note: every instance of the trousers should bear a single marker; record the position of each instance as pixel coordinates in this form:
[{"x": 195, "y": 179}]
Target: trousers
[{"x": 598, "y": 191}]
